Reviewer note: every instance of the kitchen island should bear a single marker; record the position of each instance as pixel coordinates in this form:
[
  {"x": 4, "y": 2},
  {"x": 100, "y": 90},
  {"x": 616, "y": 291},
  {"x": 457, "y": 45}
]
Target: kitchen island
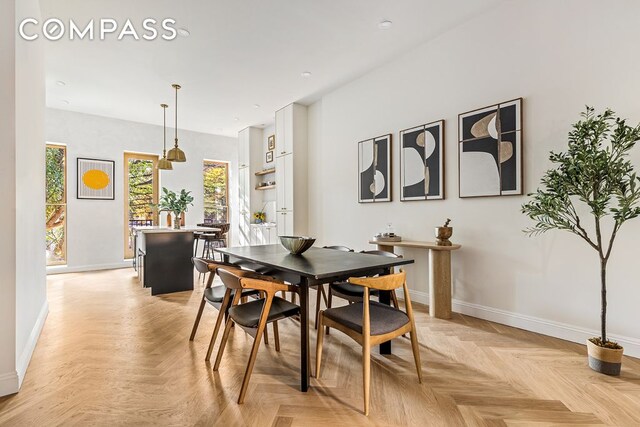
[{"x": 163, "y": 257}]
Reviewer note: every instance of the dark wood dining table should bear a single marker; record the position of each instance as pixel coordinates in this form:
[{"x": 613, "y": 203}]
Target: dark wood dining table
[{"x": 314, "y": 267}]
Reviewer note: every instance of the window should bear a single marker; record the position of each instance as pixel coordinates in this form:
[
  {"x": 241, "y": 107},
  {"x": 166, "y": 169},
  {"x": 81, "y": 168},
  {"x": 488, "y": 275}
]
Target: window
[
  {"x": 56, "y": 204},
  {"x": 140, "y": 193},
  {"x": 216, "y": 191}
]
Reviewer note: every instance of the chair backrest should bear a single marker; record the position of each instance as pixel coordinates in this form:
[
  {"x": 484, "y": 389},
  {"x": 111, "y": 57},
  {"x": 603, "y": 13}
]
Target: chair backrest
[
  {"x": 382, "y": 253},
  {"x": 387, "y": 282},
  {"x": 234, "y": 278},
  {"x": 339, "y": 248},
  {"x": 201, "y": 265}
]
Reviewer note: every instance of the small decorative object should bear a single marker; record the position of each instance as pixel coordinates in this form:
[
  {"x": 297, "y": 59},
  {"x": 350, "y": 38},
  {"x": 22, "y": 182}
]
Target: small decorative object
[
  {"x": 172, "y": 202},
  {"x": 490, "y": 150},
  {"x": 443, "y": 234},
  {"x": 271, "y": 142},
  {"x": 374, "y": 170},
  {"x": 269, "y": 156},
  {"x": 296, "y": 244},
  {"x": 95, "y": 179},
  {"x": 422, "y": 162},
  {"x": 387, "y": 236},
  {"x": 259, "y": 217},
  {"x": 596, "y": 171}
]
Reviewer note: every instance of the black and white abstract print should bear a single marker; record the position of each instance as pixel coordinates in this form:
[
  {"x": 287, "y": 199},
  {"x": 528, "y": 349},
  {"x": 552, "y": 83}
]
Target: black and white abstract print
[
  {"x": 374, "y": 170},
  {"x": 422, "y": 162},
  {"x": 490, "y": 150}
]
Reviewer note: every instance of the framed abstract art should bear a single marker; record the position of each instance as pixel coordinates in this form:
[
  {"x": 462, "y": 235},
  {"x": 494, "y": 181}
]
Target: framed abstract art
[
  {"x": 95, "y": 179},
  {"x": 422, "y": 162},
  {"x": 374, "y": 170},
  {"x": 490, "y": 150}
]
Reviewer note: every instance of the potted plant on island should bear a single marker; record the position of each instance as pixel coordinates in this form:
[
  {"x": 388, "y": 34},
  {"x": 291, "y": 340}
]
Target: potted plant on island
[
  {"x": 172, "y": 202},
  {"x": 596, "y": 172}
]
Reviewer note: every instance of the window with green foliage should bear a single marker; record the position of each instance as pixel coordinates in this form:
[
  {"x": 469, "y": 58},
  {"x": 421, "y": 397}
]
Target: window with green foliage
[
  {"x": 216, "y": 191},
  {"x": 56, "y": 204}
]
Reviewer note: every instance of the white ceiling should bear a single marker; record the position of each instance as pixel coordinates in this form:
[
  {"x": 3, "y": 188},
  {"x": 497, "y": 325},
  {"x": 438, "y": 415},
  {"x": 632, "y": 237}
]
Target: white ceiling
[{"x": 239, "y": 53}]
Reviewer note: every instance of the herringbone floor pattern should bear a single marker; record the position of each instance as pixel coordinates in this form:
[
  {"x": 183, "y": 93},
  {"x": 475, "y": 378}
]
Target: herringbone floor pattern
[{"x": 110, "y": 354}]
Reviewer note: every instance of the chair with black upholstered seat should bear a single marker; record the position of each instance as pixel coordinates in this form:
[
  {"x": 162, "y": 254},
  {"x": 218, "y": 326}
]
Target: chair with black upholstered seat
[
  {"x": 320, "y": 288},
  {"x": 354, "y": 293},
  {"x": 253, "y": 316},
  {"x": 214, "y": 295},
  {"x": 370, "y": 323}
]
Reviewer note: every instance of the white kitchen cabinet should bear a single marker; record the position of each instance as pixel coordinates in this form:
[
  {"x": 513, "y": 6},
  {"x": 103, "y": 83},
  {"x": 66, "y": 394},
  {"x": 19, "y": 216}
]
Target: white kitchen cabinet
[
  {"x": 291, "y": 170},
  {"x": 263, "y": 234},
  {"x": 285, "y": 223},
  {"x": 243, "y": 148}
]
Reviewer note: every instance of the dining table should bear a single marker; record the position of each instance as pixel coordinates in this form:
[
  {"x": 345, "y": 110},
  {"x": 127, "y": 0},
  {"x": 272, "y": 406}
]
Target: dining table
[{"x": 316, "y": 266}]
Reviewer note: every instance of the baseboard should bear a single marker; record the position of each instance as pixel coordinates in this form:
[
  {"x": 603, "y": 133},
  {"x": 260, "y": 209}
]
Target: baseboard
[
  {"x": 9, "y": 383},
  {"x": 24, "y": 359},
  {"x": 61, "y": 269},
  {"x": 534, "y": 324}
]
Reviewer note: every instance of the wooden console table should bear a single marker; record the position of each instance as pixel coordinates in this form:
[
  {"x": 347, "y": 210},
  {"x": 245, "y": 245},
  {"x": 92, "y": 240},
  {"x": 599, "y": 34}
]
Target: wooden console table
[{"x": 439, "y": 273}]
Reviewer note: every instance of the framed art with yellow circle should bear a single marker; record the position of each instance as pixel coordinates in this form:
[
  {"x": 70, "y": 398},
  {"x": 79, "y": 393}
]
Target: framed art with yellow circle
[{"x": 95, "y": 179}]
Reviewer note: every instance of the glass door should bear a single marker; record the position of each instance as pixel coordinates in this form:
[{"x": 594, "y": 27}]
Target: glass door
[
  {"x": 56, "y": 204},
  {"x": 140, "y": 192}
]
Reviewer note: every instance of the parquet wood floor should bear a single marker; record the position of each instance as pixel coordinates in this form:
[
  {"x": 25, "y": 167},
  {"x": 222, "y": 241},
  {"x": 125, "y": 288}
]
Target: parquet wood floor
[{"x": 110, "y": 354}]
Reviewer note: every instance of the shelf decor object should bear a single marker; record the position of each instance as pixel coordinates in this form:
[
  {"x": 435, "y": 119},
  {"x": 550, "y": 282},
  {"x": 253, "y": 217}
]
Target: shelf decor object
[
  {"x": 163, "y": 163},
  {"x": 422, "y": 162},
  {"x": 490, "y": 150},
  {"x": 95, "y": 179},
  {"x": 443, "y": 234},
  {"x": 374, "y": 170},
  {"x": 176, "y": 154}
]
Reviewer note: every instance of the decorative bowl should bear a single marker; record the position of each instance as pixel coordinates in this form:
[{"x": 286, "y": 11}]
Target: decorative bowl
[{"x": 296, "y": 244}]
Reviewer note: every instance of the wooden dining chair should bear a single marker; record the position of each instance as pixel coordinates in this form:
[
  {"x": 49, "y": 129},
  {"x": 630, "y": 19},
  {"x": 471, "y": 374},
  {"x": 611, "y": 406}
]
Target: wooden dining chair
[
  {"x": 214, "y": 296},
  {"x": 320, "y": 288},
  {"x": 370, "y": 323},
  {"x": 353, "y": 293},
  {"x": 253, "y": 316}
]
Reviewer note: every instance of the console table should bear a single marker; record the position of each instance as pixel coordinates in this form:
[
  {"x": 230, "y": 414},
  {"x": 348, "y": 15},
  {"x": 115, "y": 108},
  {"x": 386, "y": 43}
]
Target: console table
[{"x": 439, "y": 273}]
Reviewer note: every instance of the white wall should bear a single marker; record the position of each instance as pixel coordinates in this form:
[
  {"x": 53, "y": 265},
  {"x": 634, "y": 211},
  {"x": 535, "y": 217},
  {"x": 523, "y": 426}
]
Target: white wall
[
  {"x": 23, "y": 298},
  {"x": 558, "y": 56},
  {"x": 95, "y": 227},
  {"x": 8, "y": 377}
]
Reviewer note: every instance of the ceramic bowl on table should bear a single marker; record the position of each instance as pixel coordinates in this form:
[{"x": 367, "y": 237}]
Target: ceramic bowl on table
[{"x": 296, "y": 244}]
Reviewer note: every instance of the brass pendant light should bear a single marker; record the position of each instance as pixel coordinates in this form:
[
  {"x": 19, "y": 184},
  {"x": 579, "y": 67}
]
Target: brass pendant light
[
  {"x": 176, "y": 154},
  {"x": 163, "y": 163}
]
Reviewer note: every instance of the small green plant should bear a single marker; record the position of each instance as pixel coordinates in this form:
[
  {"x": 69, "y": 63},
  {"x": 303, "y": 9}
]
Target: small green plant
[
  {"x": 596, "y": 172},
  {"x": 172, "y": 202}
]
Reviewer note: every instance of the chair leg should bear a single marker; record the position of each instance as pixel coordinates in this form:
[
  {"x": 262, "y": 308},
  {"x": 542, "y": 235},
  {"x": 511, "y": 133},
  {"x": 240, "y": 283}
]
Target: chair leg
[
  {"x": 223, "y": 343},
  {"x": 276, "y": 335},
  {"x": 329, "y": 301},
  {"x": 197, "y": 322},
  {"x": 252, "y": 361},
  {"x": 319, "y": 343},
  {"x": 214, "y": 335},
  {"x": 318, "y": 297},
  {"x": 394, "y": 299},
  {"x": 416, "y": 353},
  {"x": 366, "y": 374}
]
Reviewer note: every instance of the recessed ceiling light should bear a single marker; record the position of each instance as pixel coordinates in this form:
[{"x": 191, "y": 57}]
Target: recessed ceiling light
[
  {"x": 61, "y": 83},
  {"x": 306, "y": 74},
  {"x": 256, "y": 105},
  {"x": 385, "y": 24},
  {"x": 184, "y": 32},
  {"x": 65, "y": 102},
  {"x": 236, "y": 118}
]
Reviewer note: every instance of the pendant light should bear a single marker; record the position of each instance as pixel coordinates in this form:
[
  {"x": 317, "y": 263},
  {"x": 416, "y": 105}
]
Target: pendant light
[
  {"x": 163, "y": 163},
  {"x": 176, "y": 154}
]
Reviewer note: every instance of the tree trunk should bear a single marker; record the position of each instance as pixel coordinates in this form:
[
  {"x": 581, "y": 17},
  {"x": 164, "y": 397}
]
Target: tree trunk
[{"x": 603, "y": 296}]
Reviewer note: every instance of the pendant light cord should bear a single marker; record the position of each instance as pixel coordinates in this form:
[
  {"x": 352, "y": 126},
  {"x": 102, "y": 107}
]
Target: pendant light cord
[{"x": 176, "y": 141}]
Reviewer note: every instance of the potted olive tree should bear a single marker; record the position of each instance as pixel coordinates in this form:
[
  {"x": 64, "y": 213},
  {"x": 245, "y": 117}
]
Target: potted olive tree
[
  {"x": 596, "y": 176},
  {"x": 176, "y": 203}
]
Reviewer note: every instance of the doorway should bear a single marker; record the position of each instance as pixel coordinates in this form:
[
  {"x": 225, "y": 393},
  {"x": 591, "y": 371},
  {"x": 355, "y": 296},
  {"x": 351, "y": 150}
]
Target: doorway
[{"x": 140, "y": 193}]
